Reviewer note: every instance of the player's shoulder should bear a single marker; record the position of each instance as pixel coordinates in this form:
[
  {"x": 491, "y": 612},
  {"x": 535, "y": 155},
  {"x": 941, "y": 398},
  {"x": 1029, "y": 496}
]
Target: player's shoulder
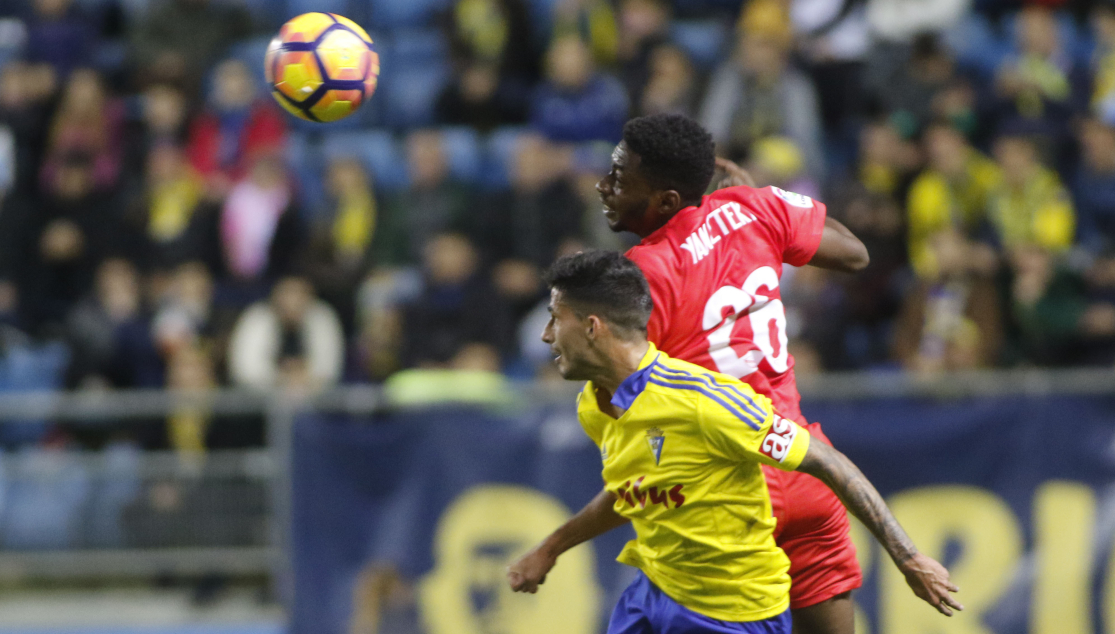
[
  {"x": 655, "y": 258},
  {"x": 761, "y": 197},
  {"x": 676, "y": 374}
]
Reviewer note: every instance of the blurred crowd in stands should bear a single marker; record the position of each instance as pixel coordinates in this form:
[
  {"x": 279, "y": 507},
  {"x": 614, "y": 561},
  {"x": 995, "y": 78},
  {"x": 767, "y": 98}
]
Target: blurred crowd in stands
[{"x": 164, "y": 224}]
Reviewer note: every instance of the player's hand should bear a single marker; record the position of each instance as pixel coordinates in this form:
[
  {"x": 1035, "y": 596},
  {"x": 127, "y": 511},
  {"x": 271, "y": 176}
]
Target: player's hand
[
  {"x": 528, "y": 572},
  {"x": 734, "y": 175},
  {"x": 930, "y": 581}
]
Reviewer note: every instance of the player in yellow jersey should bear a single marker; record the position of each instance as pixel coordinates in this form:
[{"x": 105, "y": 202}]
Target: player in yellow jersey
[{"x": 682, "y": 448}]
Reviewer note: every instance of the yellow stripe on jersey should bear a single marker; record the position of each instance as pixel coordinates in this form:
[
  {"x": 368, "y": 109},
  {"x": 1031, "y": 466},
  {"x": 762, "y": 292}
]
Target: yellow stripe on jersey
[{"x": 683, "y": 461}]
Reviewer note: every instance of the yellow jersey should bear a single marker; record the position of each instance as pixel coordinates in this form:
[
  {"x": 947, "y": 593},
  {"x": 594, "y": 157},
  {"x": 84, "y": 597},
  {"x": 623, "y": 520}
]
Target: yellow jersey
[{"x": 683, "y": 461}]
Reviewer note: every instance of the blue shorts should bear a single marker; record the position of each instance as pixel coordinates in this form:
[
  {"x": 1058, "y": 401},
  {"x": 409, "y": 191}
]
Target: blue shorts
[{"x": 644, "y": 609}]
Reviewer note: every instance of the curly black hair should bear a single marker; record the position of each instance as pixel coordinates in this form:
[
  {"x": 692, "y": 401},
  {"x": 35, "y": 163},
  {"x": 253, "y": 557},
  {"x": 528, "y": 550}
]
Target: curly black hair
[
  {"x": 605, "y": 284},
  {"x": 676, "y": 152}
]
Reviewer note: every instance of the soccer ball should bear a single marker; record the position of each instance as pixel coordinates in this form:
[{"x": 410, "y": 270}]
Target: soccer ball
[{"x": 321, "y": 67}]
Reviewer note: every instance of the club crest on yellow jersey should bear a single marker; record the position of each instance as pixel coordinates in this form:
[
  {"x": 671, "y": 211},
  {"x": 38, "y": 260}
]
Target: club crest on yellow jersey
[{"x": 655, "y": 438}]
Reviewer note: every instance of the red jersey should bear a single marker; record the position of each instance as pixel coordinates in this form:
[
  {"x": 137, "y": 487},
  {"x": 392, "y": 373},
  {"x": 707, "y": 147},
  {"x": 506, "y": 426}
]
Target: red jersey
[{"x": 713, "y": 272}]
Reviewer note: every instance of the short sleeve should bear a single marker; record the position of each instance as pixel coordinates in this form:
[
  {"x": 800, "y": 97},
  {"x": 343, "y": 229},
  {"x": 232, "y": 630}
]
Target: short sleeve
[
  {"x": 742, "y": 427},
  {"x": 802, "y": 223}
]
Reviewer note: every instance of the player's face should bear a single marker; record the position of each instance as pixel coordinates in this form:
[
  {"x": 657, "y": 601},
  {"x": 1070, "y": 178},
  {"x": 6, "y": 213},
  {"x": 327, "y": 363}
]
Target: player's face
[
  {"x": 626, "y": 194},
  {"x": 566, "y": 334}
]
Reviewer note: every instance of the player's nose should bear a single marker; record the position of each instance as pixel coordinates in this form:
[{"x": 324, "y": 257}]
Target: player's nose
[{"x": 601, "y": 186}]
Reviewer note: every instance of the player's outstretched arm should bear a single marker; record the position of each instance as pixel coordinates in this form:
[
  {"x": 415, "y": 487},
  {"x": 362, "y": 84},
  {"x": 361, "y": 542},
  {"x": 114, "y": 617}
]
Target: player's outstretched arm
[
  {"x": 528, "y": 572},
  {"x": 928, "y": 579},
  {"x": 840, "y": 249}
]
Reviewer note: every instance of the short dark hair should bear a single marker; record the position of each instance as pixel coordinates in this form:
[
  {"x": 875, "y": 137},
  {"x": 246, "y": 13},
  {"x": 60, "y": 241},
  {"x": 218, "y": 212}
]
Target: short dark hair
[
  {"x": 606, "y": 284},
  {"x": 676, "y": 152}
]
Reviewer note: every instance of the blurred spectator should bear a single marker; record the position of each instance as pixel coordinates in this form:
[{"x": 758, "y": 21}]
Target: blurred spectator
[
  {"x": 458, "y": 306},
  {"x": 170, "y": 222},
  {"x": 672, "y": 84},
  {"x": 381, "y": 299},
  {"x": 90, "y": 122},
  {"x": 1030, "y": 206},
  {"x": 496, "y": 33},
  {"x": 954, "y": 191},
  {"x": 293, "y": 341},
  {"x": 162, "y": 120},
  {"x": 341, "y": 251},
  {"x": 758, "y": 94},
  {"x": 888, "y": 162},
  {"x": 541, "y": 210},
  {"x": 576, "y": 102},
  {"x": 777, "y": 161},
  {"x": 833, "y": 39},
  {"x": 1052, "y": 321},
  {"x": 900, "y": 21},
  {"x": 875, "y": 294},
  {"x": 909, "y": 88},
  {"x": 261, "y": 234},
  {"x": 24, "y": 90},
  {"x": 190, "y": 372},
  {"x": 1102, "y": 19},
  {"x": 1040, "y": 85},
  {"x": 178, "y": 40},
  {"x": 184, "y": 317},
  {"x": 950, "y": 321},
  {"x": 111, "y": 336},
  {"x": 645, "y": 26},
  {"x": 59, "y": 35},
  {"x": 68, "y": 234},
  {"x": 479, "y": 97},
  {"x": 236, "y": 128},
  {"x": 594, "y": 22},
  {"x": 1094, "y": 188},
  {"x": 434, "y": 202}
]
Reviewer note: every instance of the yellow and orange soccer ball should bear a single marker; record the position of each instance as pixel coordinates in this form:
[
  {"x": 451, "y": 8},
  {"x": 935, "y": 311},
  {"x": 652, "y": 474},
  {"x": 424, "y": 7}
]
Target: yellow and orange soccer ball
[{"x": 321, "y": 67}]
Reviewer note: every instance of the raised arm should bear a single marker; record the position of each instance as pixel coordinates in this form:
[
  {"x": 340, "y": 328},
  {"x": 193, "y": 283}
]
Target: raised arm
[
  {"x": 840, "y": 249},
  {"x": 596, "y": 518},
  {"x": 928, "y": 579}
]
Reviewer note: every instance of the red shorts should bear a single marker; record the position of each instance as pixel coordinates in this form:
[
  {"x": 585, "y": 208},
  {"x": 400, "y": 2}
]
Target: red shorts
[{"x": 813, "y": 530}]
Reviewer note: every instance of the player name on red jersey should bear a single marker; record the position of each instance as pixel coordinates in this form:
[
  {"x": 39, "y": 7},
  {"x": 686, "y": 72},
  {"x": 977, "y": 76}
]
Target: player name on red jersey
[{"x": 727, "y": 218}]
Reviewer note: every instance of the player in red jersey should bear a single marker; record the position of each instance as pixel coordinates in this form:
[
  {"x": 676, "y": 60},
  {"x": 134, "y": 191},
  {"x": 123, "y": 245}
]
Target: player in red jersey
[{"x": 713, "y": 263}]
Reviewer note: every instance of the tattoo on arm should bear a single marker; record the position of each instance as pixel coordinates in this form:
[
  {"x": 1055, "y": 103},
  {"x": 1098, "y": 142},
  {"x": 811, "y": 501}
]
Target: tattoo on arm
[{"x": 859, "y": 497}]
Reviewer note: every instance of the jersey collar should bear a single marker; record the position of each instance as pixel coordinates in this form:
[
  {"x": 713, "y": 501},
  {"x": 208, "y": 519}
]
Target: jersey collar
[
  {"x": 634, "y": 385},
  {"x": 660, "y": 233}
]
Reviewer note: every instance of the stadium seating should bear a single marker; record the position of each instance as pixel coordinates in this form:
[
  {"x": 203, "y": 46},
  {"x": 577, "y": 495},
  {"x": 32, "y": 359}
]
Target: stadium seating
[
  {"x": 463, "y": 152},
  {"x": 394, "y": 14},
  {"x": 376, "y": 148},
  {"x": 500, "y": 153}
]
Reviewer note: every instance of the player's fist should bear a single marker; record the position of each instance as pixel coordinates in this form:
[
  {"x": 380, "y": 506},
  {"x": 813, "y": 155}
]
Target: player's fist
[
  {"x": 734, "y": 175},
  {"x": 930, "y": 581},
  {"x": 528, "y": 572}
]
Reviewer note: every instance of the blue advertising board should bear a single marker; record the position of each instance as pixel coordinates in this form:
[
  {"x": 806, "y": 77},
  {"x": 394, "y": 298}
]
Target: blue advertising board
[{"x": 404, "y": 523}]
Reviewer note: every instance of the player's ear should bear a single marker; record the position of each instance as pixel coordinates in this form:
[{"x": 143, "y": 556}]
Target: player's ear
[
  {"x": 593, "y": 326},
  {"x": 669, "y": 201}
]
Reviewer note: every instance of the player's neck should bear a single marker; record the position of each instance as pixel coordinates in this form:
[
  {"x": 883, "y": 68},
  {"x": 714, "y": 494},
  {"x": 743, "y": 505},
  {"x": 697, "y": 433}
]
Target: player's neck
[
  {"x": 623, "y": 361},
  {"x": 665, "y": 219}
]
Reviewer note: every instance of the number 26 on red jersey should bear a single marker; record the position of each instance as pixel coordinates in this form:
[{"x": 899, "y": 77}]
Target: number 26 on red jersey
[{"x": 767, "y": 317}]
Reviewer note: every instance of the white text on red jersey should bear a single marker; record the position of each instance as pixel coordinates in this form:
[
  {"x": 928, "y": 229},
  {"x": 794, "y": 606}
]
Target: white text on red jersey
[{"x": 718, "y": 223}]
